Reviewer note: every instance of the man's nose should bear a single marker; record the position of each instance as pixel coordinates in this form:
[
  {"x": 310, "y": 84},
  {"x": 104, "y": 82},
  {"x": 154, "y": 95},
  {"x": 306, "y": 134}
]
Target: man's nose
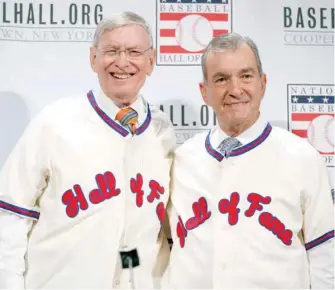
[
  {"x": 122, "y": 59},
  {"x": 234, "y": 87}
]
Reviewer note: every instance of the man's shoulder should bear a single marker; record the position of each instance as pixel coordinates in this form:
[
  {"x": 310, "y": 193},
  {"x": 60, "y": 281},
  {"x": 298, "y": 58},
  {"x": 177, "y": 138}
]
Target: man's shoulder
[
  {"x": 292, "y": 144},
  {"x": 61, "y": 111},
  {"x": 193, "y": 145},
  {"x": 157, "y": 114},
  {"x": 67, "y": 104},
  {"x": 64, "y": 107},
  {"x": 159, "y": 119}
]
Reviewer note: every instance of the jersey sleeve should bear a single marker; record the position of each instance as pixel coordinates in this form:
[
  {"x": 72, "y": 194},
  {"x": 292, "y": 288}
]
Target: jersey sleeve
[
  {"x": 25, "y": 173},
  {"x": 318, "y": 207},
  {"x": 13, "y": 247}
]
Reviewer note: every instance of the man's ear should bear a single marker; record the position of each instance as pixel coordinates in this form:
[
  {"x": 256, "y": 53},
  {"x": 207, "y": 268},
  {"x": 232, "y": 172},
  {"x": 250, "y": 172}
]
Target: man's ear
[
  {"x": 152, "y": 59},
  {"x": 203, "y": 92},
  {"x": 263, "y": 83},
  {"x": 93, "y": 56}
]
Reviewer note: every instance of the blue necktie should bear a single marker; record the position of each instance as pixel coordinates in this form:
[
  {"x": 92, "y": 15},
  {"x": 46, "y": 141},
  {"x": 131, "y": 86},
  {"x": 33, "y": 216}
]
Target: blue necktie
[{"x": 228, "y": 145}]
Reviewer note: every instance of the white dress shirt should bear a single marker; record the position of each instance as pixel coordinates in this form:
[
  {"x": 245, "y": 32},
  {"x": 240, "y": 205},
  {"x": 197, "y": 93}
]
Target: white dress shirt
[{"x": 112, "y": 109}]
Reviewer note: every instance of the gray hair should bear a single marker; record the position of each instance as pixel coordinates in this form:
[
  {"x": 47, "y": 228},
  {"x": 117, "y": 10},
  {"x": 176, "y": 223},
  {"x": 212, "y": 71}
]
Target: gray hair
[
  {"x": 229, "y": 41},
  {"x": 119, "y": 20}
]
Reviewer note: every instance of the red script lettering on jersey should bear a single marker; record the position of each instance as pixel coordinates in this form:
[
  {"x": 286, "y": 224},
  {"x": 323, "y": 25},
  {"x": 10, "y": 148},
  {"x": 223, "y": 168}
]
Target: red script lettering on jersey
[
  {"x": 201, "y": 214},
  {"x": 266, "y": 219},
  {"x": 230, "y": 207},
  {"x": 181, "y": 232},
  {"x": 106, "y": 188},
  {"x": 156, "y": 190},
  {"x": 255, "y": 199},
  {"x": 74, "y": 201},
  {"x": 160, "y": 211},
  {"x": 136, "y": 187},
  {"x": 274, "y": 225}
]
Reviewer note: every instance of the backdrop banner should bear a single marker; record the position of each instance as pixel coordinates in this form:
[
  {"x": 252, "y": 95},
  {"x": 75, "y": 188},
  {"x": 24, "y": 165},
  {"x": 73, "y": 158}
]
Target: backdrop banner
[{"x": 44, "y": 55}]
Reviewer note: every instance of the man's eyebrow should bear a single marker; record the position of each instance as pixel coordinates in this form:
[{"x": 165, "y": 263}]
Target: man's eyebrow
[
  {"x": 220, "y": 74},
  {"x": 242, "y": 71},
  {"x": 108, "y": 46},
  {"x": 247, "y": 70},
  {"x": 111, "y": 46}
]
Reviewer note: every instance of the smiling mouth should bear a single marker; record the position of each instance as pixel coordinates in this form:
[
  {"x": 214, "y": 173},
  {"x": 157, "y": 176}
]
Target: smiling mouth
[
  {"x": 234, "y": 105},
  {"x": 121, "y": 76}
]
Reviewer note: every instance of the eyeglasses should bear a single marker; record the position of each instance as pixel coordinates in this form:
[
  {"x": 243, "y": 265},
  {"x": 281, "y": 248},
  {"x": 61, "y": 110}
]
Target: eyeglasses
[{"x": 130, "y": 52}]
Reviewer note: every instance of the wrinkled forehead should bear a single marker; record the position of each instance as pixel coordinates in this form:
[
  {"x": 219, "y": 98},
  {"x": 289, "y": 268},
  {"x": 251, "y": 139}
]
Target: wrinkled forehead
[
  {"x": 130, "y": 35},
  {"x": 231, "y": 60}
]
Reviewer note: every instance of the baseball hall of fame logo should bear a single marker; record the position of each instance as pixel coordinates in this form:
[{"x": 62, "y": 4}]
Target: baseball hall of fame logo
[
  {"x": 185, "y": 27},
  {"x": 311, "y": 116}
]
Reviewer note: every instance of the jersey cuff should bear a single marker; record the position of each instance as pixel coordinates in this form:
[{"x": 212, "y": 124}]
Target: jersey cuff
[
  {"x": 318, "y": 241},
  {"x": 23, "y": 212}
]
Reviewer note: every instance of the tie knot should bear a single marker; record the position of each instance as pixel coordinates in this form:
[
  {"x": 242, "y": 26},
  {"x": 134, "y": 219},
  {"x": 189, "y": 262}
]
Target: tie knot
[
  {"x": 128, "y": 118},
  {"x": 228, "y": 145}
]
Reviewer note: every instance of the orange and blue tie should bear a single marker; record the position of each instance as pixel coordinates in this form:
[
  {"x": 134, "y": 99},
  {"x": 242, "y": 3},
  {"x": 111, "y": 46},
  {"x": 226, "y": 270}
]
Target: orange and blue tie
[{"x": 127, "y": 118}]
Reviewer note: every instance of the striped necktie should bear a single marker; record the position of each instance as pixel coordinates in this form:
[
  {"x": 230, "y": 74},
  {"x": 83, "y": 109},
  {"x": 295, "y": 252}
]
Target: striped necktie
[
  {"x": 127, "y": 118},
  {"x": 228, "y": 145}
]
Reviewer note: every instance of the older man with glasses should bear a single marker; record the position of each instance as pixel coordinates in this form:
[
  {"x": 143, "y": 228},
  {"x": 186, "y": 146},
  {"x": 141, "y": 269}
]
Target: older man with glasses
[{"x": 84, "y": 191}]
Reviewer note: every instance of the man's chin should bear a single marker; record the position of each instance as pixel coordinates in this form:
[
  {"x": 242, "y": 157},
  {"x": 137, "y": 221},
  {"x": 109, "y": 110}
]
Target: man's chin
[
  {"x": 244, "y": 122},
  {"x": 237, "y": 121},
  {"x": 123, "y": 98},
  {"x": 238, "y": 117}
]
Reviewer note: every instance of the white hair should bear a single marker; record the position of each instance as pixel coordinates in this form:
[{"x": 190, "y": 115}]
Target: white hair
[
  {"x": 229, "y": 41},
  {"x": 119, "y": 20}
]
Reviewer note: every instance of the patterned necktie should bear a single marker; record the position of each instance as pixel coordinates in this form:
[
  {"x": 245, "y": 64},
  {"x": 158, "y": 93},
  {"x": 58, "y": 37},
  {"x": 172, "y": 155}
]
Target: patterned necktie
[
  {"x": 228, "y": 145},
  {"x": 127, "y": 118}
]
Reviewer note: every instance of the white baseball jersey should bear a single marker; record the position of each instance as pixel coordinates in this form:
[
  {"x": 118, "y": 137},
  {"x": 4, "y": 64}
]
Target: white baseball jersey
[
  {"x": 249, "y": 220},
  {"x": 92, "y": 188}
]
